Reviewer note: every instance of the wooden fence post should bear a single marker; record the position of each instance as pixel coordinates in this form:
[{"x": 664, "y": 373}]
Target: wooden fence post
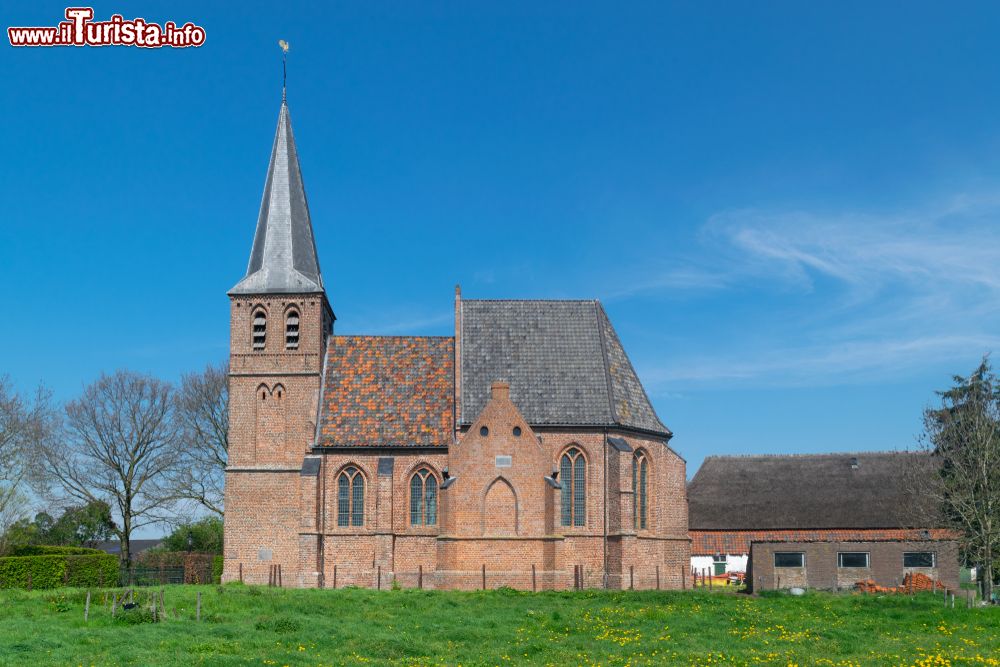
[
  {"x": 86, "y": 607},
  {"x": 534, "y": 588},
  {"x": 334, "y": 575},
  {"x": 420, "y": 577},
  {"x": 484, "y": 576},
  {"x": 241, "y": 572},
  {"x": 279, "y": 576},
  {"x": 657, "y": 577},
  {"x": 198, "y": 608},
  {"x": 683, "y": 579},
  {"x": 379, "y": 575}
]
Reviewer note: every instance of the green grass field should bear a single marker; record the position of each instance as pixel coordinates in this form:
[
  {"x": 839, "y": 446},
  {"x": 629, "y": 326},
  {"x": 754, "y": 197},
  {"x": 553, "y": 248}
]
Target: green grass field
[{"x": 261, "y": 626}]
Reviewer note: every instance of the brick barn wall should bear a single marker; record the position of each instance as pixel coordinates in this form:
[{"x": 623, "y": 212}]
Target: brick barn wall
[{"x": 821, "y": 570}]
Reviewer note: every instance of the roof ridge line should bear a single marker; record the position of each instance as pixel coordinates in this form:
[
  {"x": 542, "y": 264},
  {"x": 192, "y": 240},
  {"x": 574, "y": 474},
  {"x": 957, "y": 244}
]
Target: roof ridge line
[
  {"x": 390, "y": 336},
  {"x": 811, "y": 455},
  {"x": 607, "y": 366},
  {"x": 534, "y": 300}
]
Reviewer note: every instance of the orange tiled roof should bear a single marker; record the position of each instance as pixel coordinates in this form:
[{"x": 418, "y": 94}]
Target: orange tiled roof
[{"x": 388, "y": 391}]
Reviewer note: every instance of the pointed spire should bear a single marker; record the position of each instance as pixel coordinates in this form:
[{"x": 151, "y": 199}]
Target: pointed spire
[{"x": 283, "y": 259}]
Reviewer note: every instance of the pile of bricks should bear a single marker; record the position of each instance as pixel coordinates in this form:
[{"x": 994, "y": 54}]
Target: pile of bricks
[{"x": 912, "y": 583}]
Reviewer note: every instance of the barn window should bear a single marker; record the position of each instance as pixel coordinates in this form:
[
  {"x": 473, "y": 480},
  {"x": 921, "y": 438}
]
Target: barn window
[
  {"x": 852, "y": 559},
  {"x": 259, "y": 330},
  {"x": 918, "y": 559},
  {"x": 350, "y": 497},
  {"x": 789, "y": 559},
  {"x": 292, "y": 330},
  {"x": 718, "y": 564},
  {"x": 423, "y": 498},
  {"x": 640, "y": 496},
  {"x": 573, "y": 472}
]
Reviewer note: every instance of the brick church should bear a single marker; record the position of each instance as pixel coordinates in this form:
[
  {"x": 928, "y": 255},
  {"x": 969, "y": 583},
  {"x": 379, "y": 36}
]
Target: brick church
[{"x": 523, "y": 451}]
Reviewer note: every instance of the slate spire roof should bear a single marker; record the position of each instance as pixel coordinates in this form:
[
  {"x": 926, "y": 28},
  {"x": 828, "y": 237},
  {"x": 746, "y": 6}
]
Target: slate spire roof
[{"x": 283, "y": 259}]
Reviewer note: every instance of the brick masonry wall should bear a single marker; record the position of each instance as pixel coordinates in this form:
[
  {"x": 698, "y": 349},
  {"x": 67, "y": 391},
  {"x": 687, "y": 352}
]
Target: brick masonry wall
[
  {"x": 272, "y": 413},
  {"x": 821, "y": 570},
  {"x": 453, "y": 553}
]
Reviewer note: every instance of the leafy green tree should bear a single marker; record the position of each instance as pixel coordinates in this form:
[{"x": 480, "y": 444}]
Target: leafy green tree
[
  {"x": 963, "y": 437},
  {"x": 79, "y": 526},
  {"x": 82, "y": 526},
  {"x": 206, "y": 536}
]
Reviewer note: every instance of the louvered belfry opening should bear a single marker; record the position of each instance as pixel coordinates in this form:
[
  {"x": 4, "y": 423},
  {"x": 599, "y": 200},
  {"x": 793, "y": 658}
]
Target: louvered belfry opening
[
  {"x": 259, "y": 330},
  {"x": 292, "y": 330}
]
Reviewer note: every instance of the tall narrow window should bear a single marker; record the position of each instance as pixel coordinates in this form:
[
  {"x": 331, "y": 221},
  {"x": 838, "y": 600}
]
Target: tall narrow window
[
  {"x": 423, "y": 498},
  {"x": 640, "y": 496},
  {"x": 350, "y": 498},
  {"x": 572, "y": 473},
  {"x": 259, "y": 330},
  {"x": 292, "y": 330}
]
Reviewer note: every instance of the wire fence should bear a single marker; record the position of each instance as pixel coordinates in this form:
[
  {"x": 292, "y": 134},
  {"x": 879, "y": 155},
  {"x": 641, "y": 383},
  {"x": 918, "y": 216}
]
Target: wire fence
[
  {"x": 576, "y": 577},
  {"x": 138, "y": 575}
]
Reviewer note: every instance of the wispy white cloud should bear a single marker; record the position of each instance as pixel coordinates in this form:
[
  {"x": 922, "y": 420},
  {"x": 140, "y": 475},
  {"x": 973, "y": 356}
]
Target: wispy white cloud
[{"x": 861, "y": 294}]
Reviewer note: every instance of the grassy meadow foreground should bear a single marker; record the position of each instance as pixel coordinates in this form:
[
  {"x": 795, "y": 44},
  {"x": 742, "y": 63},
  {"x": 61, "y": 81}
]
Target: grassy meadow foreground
[{"x": 263, "y": 626}]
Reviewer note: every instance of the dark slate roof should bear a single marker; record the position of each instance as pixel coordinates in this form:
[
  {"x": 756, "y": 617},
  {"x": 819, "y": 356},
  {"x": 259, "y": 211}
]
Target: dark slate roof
[
  {"x": 821, "y": 491},
  {"x": 134, "y": 546},
  {"x": 388, "y": 391},
  {"x": 283, "y": 259},
  {"x": 563, "y": 360}
]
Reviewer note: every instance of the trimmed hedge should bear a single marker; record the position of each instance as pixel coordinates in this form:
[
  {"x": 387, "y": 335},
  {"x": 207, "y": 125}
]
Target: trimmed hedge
[
  {"x": 55, "y": 571},
  {"x": 217, "y": 569},
  {"x": 45, "y": 550}
]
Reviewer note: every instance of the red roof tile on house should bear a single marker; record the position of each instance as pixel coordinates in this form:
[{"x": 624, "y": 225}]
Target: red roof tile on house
[
  {"x": 711, "y": 542},
  {"x": 388, "y": 391}
]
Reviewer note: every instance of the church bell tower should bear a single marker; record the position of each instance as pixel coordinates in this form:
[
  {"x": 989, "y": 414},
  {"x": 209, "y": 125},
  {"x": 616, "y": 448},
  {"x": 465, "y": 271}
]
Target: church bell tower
[{"x": 280, "y": 320}]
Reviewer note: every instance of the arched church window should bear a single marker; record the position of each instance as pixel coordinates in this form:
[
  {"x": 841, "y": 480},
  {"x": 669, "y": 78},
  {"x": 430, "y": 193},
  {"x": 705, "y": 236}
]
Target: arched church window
[
  {"x": 350, "y": 497},
  {"x": 423, "y": 498},
  {"x": 292, "y": 330},
  {"x": 572, "y": 474},
  {"x": 640, "y": 495},
  {"x": 259, "y": 330}
]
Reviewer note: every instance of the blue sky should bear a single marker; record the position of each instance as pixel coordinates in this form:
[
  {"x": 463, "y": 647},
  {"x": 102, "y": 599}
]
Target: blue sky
[{"x": 788, "y": 209}]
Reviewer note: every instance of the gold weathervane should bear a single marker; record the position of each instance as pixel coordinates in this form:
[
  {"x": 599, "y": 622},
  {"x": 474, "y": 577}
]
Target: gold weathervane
[{"x": 284, "y": 72}]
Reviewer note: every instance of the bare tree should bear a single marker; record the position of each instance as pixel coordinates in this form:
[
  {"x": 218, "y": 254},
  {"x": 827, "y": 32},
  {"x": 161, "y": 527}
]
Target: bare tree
[
  {"x": 963, "y": 438},
  {"x": 22, "y": 423},
  {"x": 202, "y": 412},
  {"x": 120, "y": 444}
]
